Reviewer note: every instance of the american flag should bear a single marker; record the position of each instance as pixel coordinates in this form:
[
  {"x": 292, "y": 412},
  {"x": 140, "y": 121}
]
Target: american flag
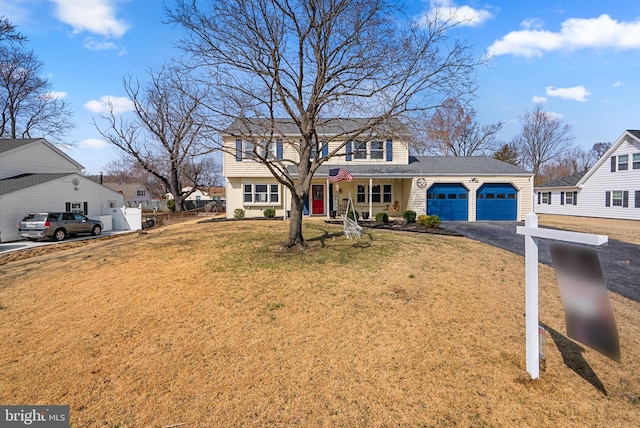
[{"x": 339, "y": 174}]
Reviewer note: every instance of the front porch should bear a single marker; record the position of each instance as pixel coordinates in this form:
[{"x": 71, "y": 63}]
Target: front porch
[{"x": 369, "y": 196}]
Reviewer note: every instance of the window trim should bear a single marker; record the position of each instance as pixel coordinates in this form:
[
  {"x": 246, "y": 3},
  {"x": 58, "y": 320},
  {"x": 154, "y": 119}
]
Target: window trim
[
  {"x": 623, "y": 165},
  {"x": 271, "y": 198}
]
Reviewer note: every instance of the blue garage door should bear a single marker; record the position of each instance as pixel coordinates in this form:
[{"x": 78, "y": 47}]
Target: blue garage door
[
  {"x": 496, "y": 201},
  {"x": 449, "y": 201}
]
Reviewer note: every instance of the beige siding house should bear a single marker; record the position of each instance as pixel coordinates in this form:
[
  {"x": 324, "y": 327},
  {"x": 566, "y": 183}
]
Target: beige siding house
[{"x": 385, "y": 178}]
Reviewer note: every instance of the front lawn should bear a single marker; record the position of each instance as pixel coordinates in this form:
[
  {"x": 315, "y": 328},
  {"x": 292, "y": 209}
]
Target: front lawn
[{"x": 208, "y": 324}]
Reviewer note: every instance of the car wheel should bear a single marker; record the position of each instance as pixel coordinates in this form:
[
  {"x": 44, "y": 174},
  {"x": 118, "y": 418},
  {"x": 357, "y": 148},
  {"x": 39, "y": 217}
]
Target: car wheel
[
  {"x": 59, "y": 235},
  {"x": 96, "y": 230}
]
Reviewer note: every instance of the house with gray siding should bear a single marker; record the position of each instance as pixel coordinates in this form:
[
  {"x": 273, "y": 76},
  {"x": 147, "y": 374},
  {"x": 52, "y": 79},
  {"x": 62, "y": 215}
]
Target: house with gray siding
[
  {"x": 37, "y": 176},
  {"x": 609, "y": 189}
]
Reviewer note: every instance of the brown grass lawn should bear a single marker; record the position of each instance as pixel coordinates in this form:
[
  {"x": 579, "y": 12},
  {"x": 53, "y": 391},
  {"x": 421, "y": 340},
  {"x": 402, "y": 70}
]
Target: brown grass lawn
[
  {"x": 621, "y": 230},
  {"x": 210, "y": 325}
]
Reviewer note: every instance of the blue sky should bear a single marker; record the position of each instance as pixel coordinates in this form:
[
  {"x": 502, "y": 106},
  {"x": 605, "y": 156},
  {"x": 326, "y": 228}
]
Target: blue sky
[{"x": 579, "y": 57}]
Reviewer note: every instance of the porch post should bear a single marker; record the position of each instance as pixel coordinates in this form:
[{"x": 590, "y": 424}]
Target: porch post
[{"x": 370, "y": 199}]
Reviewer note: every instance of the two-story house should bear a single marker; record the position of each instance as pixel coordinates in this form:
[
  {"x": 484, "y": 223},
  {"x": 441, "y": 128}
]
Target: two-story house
[
  {"x": 609, "y": 189},
  {"x": 37, "y": 176},
  {"x": 385, "y": 178}
]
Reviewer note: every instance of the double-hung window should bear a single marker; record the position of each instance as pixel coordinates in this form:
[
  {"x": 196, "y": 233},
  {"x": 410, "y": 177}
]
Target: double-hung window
[
  {"x": 376, "y": 149},
  {"x": 636, "y": 161},
  {"x": 375, "y": 194},
  {"x": 247, "y": 149},
  {"x": 361, "y": 194},
  {"x": 623, "y": 162},
  {"x": 545, "y": 198},
  {"x": 616, "y": 198},
  {"x": 386, "y": 195},
  {"x": 360, "y": 149},
  {"x": 568, "y": 199}
]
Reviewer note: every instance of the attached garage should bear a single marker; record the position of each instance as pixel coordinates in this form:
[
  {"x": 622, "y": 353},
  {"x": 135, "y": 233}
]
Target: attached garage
[
  {"x": 449, "y": 201},
  {"x": 497, "y": 201}
]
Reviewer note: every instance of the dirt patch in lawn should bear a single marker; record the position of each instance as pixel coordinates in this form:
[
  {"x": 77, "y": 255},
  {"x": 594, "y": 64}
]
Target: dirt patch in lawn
[
  {"x": 208, "y": 324},
  {"x": 621, "y": 230}
]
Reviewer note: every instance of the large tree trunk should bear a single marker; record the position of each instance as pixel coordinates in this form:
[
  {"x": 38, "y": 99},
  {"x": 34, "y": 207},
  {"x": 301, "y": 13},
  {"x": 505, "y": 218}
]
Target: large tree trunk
[{"x": 295, "y": 223}]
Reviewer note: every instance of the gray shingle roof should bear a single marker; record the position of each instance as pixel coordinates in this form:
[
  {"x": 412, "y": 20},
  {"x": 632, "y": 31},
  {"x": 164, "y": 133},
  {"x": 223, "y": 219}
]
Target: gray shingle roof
[
  {"x": 425, "y": 166},
  {"x": 634, "y": 133},
  {"x": 569, "y": 181},
  {"x": 326, "y": 127},
  {"x": 10, "y": 144},
  {"x": 23, "y": 181}
]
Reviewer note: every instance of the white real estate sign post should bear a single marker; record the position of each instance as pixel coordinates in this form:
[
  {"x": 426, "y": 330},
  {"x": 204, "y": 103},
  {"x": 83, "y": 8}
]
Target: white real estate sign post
[{"x": 532, "y": 233}]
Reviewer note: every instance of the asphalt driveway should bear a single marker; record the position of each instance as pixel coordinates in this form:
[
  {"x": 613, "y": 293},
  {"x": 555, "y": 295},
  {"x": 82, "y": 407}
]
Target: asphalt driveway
[{"x": 620, "y": 261}]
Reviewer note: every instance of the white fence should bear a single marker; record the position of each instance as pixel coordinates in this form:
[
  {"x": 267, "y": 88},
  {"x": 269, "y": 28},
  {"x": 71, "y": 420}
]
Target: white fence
[{"x": 123, "y": 218}]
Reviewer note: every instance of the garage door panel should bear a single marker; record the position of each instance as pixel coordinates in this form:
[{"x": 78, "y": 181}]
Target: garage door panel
[
  {"x": 497, "y": 201},
  {"x": 449, "y": 201}
]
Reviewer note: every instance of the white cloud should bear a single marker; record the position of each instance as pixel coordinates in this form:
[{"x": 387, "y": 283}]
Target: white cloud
[
  {"x": 618, "y": 84},
  {"x": 94, "y": 16},
  {"x": 447, "y": 10},
  {"x": 57, "y": 94},
  {"x": 577, "y": 93},
  {"x": 539, "y": 100},
  {"x": 532, "y": 24},
  {"x": 92, "y": 143},
  {"x": 575, "y": 33},
  {"x": 94, "y": 45},
  {"x": 119, "y": 104}
]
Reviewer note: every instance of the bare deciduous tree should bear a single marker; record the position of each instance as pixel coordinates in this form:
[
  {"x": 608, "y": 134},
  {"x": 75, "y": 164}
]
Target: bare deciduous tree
[
  {"x": 310, "y": 60},
  {"x": 166, "y": 135},
  {"x": 543, "y": 137},
  {"x": 28, "y": 108},
  {"x": 454, "y": 131}
]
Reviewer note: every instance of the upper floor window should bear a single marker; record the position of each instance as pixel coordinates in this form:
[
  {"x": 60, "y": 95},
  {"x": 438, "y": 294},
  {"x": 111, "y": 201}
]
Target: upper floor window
[
  {"x": 140, "y": 193},
  {"x": 636, "y": 161},
  {"x": 360, "y": 149},
  {"x": 623, "y": 162},
  {"x": 247, "y": 150},
  {"x": 368, "y": 149},
  {"x": 376, "y": 149}
]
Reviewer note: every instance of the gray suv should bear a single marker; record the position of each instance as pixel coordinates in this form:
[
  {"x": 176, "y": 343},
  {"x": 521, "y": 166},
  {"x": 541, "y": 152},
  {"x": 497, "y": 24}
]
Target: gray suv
[{"x": 57, "y": 225}]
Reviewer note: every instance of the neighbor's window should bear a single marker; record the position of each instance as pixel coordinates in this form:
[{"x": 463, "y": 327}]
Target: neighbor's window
[
  {"x": 140, "y": 193},
  {"x": 260, "y": 193},
  {"x": 568, "y": 198},
  {"x": 636, "y": 161},
  {"x": 623, "y": 162},
  {"x": 545, "y": 198},
  {"x": 616, "y": 199}
]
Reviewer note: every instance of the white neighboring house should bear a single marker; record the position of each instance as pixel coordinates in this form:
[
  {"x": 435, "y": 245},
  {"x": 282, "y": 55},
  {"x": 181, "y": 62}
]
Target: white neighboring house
[
  {"x": 385, "y": 177},
  {"x": 37, "y": 176},
  {"x": 610, "y": 189}
]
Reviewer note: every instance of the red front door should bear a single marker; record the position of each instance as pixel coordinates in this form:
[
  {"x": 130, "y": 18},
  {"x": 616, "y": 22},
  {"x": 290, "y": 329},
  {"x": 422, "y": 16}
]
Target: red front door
[{"x": 317, "y": 199}]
